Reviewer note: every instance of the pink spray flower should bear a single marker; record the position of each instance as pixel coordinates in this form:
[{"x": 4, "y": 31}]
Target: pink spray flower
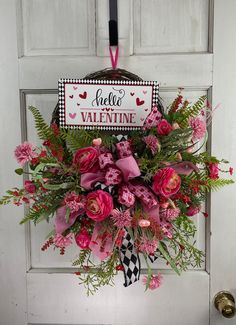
[
  {"x": 152, "y": 143},
  {"x": 24, "y": 153},
  {"x": 74, "y": 201},
  {"x": 155, "y": 282},
  {"x": 148, "y": 246},
  {"x": 121, "y": 218},
  {"x": 199, "y": 128}
]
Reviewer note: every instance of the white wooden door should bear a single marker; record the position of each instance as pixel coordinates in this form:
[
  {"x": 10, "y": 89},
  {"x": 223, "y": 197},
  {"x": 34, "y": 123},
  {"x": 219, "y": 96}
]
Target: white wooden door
[{"x": 166, "y": 40}]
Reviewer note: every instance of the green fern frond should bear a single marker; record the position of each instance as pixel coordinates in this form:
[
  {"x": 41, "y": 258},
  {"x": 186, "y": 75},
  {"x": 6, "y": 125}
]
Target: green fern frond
[
  {"x": 76, "y": 139},
  {"x": 216, "y": 184},
  {"x": 44, "y": 131},
  {"x": 191, "y": 112},
  {"x": 5, "y": 200}
]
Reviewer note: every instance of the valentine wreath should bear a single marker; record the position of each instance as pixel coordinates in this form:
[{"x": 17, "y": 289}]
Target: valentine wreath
[{"x": 122, "y": 196}]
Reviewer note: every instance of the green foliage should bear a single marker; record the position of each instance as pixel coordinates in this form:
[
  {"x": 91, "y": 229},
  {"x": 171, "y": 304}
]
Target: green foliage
[
  {"x": 177, "y": 140},
  {"x": 44, "y": 131},
  {"x": 183, "y": 116},
  {"x": 216, "y": 184},
  {"x": 97, "y": 276}
]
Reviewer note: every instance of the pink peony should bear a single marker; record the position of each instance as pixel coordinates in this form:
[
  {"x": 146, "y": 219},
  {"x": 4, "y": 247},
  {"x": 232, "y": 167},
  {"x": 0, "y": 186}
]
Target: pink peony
[
  {"x": 85, "y": 160},
  {"x": 191, "y": 211},
  {"x": 83, "y": 239},
  {"x": 214, "y": 170},
  {"x": 155, "y": 282},
  {"x": 164, "y": 127},
  {"x": 29, "y": 187},
  {"x": 166, "y": 182},
  {"x": 24, "y": 153},
  {"x": 99, "y": 205},
  {"x": 62, "y": 241},
  {"x": 152, "y": 143},
  {"x": 74, "y": 201},
  {"x": 199, "y": 128}
]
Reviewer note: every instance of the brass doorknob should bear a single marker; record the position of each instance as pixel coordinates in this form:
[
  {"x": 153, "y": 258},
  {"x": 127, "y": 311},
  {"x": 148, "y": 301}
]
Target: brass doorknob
[{"x": 225, "y": 304}]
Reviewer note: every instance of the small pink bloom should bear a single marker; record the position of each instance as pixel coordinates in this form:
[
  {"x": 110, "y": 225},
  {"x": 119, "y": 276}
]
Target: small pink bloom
[
  {"x": 164, "y": 127},
  {"x": 97, "y": 142},
  {"x": 166, "y": 182},
  {"x": 148, "y": 246},
  {"x": 29, "y": 187},
  {"x": 169, "y": 214},
  {"x": 83, "y": 239},
  {"x": 178, "y": 156},
  {"x": 152, "y": 143},
  {"x": 62, "y": 241},
  {"x": 121, "y": 218},
  {"x": 231, "y": 170},
  {"x": 166, "y": 228},
  {"x": 99, "y": 205},
  {"x": 214, "y": 170},
  {"x": 24, "y": 153},
  {"x": 175, "y": 126},
  {"x": 199, "y": 128},
  {"x": 74, "y": 201},
  {"x": 85, "y": 159},
  {"x": 155, "y": 282},
  {"x": 143, "y": 223},
  {"x": 191, "y": 211}
]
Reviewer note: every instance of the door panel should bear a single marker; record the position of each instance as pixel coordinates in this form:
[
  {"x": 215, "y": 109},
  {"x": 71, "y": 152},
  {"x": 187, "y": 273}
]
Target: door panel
[{"x": 168, "y": 41}]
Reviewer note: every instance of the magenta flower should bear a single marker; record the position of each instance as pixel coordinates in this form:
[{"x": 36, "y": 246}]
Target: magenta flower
[
  {"x": 199, "y": 128},
  {"x": 62, "y": 241},
  {"x": 24, "y": 153},
  {"x": 155, "y": 282},
  {"x": 169, "y": 214},
  {"x": 152, "y": 143}
]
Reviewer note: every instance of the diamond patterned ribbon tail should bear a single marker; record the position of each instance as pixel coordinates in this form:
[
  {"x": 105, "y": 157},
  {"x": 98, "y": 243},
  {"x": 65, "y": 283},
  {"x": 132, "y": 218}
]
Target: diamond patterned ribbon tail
[{"x": 130, "y": 260}]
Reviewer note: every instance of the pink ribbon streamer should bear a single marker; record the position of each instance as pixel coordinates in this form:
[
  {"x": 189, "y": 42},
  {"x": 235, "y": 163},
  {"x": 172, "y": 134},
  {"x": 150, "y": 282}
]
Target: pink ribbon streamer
[
  {"x": 60, "y": 221},
  {"x": 185, "y": 168},
  {"x": 114, "y": 60},
  {"x": 129, "y": 168},
  {"x": 87, "y": 180},
  {"x": 101, "y": 244}
]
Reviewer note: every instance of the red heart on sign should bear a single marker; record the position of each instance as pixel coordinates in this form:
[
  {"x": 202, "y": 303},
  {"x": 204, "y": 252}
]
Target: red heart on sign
[
  {"x": 78, "y": 104},
  {"x": 71, "y": 96},
  {"x": 84, "y": 95},
  {"x": 132, "y": 94},
  {"x": 139, "y": 102},
  {"x": 72, "y": 115}
]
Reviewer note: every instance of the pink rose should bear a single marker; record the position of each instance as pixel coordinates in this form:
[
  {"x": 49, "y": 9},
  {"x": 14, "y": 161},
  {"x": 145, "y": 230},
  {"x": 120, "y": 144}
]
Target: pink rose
[
  {"x": 214, "y": 170},
  {"x": 29, "y": 187},
  {"x": 191, "y": 211},
  {"x": 99, "y": 205},
  {"x": 85, "y": 159},
  {"x": 166, "y": 182},
  {"x": 164, "y": 127},
  {"x": 83, "y": 238}
]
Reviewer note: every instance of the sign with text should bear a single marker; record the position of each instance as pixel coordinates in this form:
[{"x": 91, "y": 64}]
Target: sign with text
[{"x": 106, "y": 104}]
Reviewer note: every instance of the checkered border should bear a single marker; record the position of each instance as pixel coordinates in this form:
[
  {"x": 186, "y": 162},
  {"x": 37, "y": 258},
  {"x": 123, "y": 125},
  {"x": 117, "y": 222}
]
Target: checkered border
[{"x": 61, "y": 95}]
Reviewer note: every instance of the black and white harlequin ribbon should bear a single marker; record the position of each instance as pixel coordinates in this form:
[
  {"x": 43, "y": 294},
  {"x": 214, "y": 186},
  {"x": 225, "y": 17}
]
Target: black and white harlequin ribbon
[{"x": 130, "y": 260}]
